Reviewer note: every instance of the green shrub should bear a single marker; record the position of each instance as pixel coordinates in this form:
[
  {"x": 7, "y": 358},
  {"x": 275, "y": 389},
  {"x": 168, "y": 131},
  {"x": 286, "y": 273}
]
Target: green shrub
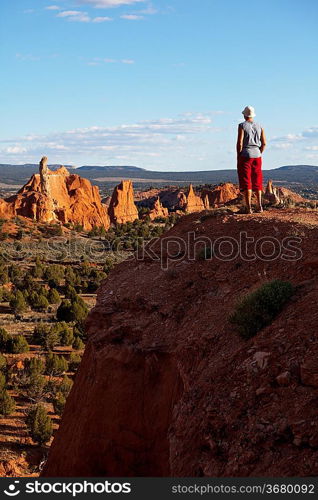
[
  {"x": 78, "y": 344},
  {"x": 18, "y": 344},
  {"x": 7, "y": 403},
  {"x": 54, "y": 296},
  {"x": 2, "y": 382},
  {"x": 59, "y": 403},
  {"x": 36, "y": 387},
  {"x": 75, "y": 310},
  {"x": 3, "y": 363},
  {"x": 74, "y": 361},
  {"x": 18, "y": 303},
  {"x": 12, "y": 344},
  {"x": 259, "y": 308},
  {"x": 55, "y": 365},
  {"x": 65, "y": 386},
  {"x": 34, "y": 366},
  {"x": 46, "y": 337},
  {"x": 40, "y": 424},
  {"x": 4, "y": 340}
]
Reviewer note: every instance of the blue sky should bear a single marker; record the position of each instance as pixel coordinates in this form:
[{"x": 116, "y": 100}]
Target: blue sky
[{"x": 160, "y": 84}]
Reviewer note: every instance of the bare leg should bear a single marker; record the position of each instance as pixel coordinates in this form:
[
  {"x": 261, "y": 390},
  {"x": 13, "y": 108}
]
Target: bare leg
[
  {"x": 248, "y": 200},
  {"x": 259, "y": 200}
]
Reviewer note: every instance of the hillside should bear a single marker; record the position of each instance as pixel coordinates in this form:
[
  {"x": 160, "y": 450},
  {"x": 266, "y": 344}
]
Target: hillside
[
  {"x": 305, "y": 175},
  {"x": 167, "y": 386}
]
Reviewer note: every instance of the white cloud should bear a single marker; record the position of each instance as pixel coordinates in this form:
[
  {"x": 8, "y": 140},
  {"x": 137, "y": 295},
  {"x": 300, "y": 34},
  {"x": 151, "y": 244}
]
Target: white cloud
[
  {"x": 132, "y": 17},
  {"x": 27, "y": 57},
  {"x": 81, "y": 17},
  {"x": 101, "y": 19},
  {"x": 143, "y": 139},
  {"x": 98, "y": 61},
  {"x": 107, "y": 4},
  {"x": 52, "y": 7},
  {"x": 74, "y": 15},
  {"x": 15, "y": 150},
  {"x": 149, "y": 11}
]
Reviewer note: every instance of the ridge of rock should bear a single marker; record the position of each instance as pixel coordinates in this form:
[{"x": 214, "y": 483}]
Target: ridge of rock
[{"x": 166, "y": 387}]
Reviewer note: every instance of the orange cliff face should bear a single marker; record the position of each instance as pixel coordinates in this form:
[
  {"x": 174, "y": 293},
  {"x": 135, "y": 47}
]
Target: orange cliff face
[
  {"x": 57, "y": 196},
  {"x": 122, "y": 207}
]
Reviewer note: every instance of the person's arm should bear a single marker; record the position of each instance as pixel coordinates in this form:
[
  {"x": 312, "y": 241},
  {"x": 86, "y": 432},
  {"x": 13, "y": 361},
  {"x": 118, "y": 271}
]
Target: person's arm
[
  {"x": 239, "y": 144},
  {"x": 263, "y": 141}
]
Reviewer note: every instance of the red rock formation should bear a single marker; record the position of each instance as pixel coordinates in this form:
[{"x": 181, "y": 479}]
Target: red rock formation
[
  {"x": 194, "y": 202},
  {"x": 158, "y": 210},
  {"x": 281, "y": 195},
  {"x": 122, "y": 207},
  {"x": 167, "y": 387},
  {"x": 57, "y": 196},
  {"x": 222, "y": 194}
]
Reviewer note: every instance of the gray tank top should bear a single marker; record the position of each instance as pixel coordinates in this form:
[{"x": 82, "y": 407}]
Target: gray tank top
[{"x": 252, "y": 139}]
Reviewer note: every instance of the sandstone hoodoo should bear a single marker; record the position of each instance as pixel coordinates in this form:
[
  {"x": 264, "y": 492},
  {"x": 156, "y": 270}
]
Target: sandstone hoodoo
[
  {"x": 158, "y": 210},
  {"x": 281, "y": 195},
  {"x": 122, "y": 207},
  {"x": 57, "y": 196},
  {"x": 167, "y": 386},
  {"x": 194, "y": 202},
  {"x": 222, "y": 194}
]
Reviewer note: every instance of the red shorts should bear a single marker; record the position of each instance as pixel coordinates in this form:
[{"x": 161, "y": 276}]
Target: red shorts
[{"x": 250, "y": 173}]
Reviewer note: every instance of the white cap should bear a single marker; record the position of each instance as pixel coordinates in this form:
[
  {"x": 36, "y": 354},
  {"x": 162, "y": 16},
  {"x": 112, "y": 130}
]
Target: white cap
[{"x": 249, "y": 112}]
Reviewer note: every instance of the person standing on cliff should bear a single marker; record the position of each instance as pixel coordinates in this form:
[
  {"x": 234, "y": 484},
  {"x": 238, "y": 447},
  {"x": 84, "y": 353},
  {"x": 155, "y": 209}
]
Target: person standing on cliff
[{"x": 251, "y": 142}]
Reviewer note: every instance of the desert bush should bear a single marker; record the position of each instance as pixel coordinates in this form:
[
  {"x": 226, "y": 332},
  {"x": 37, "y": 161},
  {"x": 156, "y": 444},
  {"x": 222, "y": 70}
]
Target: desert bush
[
  {"x": 34, "y": 366},
  {"x": 74, "y": 361},
  {"x": 7, "y": 403},
  {"x": 3, "y": 363},
  {"x": 39, "y": 424},
  {"x": 54, "y": 296},
  {"x": 55, "y": 365},
  {"x": 18, "y": 344},
  {"x": 4, "y": 339},
  {"x": 12, "y": 344},
  {"x": 66, "y": 386},
  {"x": 35, "y": 387},
  {"x": 18, "y": 303},
  {"x": 3, "y": 381},
  {"x": 78, "y": 344},
  {"x": 75, "y": 310},
  {"x": 258, "y": 309},
  {"x": 59, "y": 403}
]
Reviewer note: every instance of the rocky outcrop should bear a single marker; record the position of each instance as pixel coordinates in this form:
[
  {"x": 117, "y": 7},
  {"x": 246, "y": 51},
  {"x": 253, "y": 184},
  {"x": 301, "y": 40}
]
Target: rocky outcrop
[
  {"x": 221, "y": 195},
  {"x": 280, "y": 195},
  {"x": 158, "y": 210},
  {"x": 167, "y": 387},
  {"x": 122, "y": 207},
  {"x": 53, "y": 196},
  {"x": 194, "y": 203}
]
